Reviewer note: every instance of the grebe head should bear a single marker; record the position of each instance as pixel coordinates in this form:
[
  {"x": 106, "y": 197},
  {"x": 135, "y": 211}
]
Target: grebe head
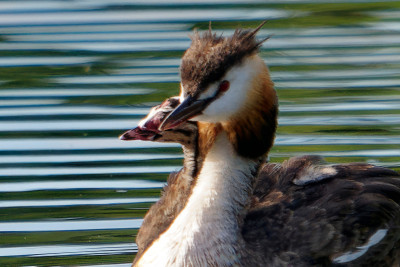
[
  {"x": 222, "y": 78},
  {"x": 148, "y": 128}
]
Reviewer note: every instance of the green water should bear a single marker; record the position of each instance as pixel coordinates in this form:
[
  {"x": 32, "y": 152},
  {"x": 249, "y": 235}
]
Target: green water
[{"x": 75, "y": 75}]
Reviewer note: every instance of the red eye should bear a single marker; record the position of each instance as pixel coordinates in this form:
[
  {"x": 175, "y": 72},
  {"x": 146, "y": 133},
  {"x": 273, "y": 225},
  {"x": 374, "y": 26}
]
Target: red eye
[{"x": 223, "y": 86}]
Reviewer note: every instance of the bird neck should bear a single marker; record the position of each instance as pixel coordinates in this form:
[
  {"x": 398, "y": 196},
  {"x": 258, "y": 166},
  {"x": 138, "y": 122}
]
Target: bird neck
[
  {"x": 214, "y": 214},
  {"x": 192, "y": 161},
  {"x": 252, "y": 132},
  {"x": 208, "y": 229},
  {"x": 226, "y": 178}
]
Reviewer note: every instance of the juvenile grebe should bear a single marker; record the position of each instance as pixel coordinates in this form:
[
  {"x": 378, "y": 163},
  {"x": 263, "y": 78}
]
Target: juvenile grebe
[
  {"x": 300, "y": 214},
  {"x": 179, "y": 184}
]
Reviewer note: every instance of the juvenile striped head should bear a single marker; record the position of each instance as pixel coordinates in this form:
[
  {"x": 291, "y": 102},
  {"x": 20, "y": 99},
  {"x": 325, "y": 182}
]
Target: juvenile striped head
[{"x": 148, "y": 128}]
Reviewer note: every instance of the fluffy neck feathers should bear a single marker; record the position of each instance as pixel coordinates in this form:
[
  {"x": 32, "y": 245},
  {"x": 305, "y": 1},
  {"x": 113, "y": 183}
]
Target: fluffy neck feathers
[
  {"x": 253, "y": 132},
  {"x": 213, "y": 215}
]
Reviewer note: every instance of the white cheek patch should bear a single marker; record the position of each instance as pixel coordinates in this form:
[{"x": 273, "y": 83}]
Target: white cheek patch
[
  {"x": 240, "y": 79},
  {"x": 210, "y": 92},
  {"x": 181, "y": 96}
]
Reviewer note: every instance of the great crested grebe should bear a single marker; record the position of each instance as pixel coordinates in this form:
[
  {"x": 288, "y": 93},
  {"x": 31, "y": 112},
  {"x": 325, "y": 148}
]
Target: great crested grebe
[
  {"x": 179, "y": 184},
  {"x": 239, "y": 211}
]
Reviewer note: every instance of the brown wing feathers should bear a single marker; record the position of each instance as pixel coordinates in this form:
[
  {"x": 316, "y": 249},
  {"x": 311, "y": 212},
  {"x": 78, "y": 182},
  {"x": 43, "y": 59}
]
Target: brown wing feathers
[{"x": 322, "y": 220}]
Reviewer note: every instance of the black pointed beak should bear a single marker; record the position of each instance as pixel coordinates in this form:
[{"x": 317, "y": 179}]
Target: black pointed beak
[{"x": 189, "y": 108}]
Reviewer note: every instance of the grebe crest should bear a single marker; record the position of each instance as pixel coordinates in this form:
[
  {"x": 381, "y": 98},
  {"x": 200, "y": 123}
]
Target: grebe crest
[{"x": 223, "y": 80}]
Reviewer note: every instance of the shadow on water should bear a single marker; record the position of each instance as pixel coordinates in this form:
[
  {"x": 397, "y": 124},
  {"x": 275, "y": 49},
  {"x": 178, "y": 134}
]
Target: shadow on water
[{"x": 75, "y": 75}]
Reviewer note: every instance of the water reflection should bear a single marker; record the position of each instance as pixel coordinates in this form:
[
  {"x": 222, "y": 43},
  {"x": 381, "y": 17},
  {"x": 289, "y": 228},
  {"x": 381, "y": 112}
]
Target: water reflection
[
  {"x": 69, "y": 250},
  {"x": 37, "y": 171},
  {"x": 72, "y": 225},
  {"x": 75, "y": 75},
  {"x": 44, "y": 61},
  {"x": 336, "y": 140},
  {"x": 73, "y": 202},
  {"x": 52, "y": 144},
  {"x": 350, "y": 106},
  {"x": 84, "y": 158},
  {"x": 69, "y": 110},
  {"x": 81, "y": 184},
  {"x": 137, "y": 16}
]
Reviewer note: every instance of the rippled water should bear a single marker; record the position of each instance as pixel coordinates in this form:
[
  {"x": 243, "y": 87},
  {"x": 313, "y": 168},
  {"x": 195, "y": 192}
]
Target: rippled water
[{"x": 75, "y": 74}]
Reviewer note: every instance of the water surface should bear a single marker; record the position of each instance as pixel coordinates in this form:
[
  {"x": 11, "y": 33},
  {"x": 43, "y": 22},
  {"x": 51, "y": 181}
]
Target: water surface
[{"x": 75, "y": 75}]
